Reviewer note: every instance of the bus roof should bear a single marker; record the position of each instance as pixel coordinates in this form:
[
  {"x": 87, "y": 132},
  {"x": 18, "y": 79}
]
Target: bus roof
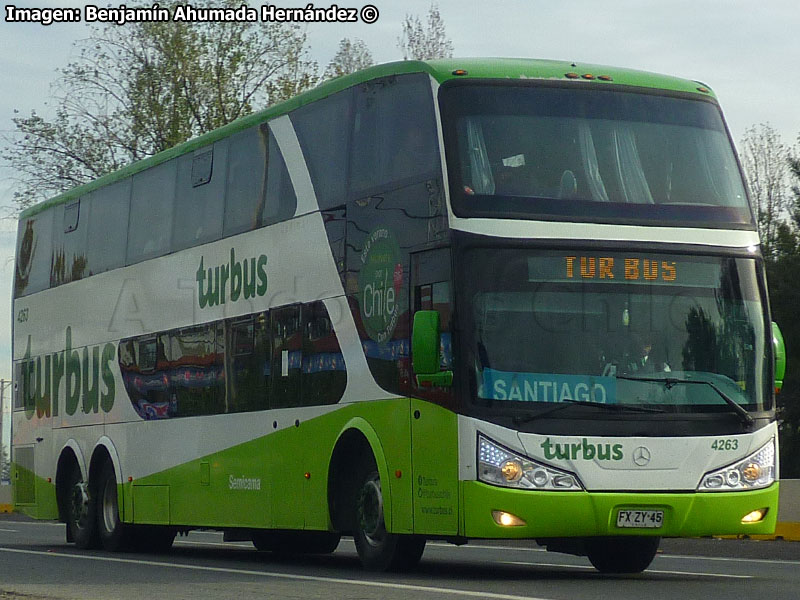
[{"x": 441, "y": 70}]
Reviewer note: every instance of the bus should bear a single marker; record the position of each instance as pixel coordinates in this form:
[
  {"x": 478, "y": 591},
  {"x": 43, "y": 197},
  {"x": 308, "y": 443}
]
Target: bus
[{"x": 446, "y": 300}]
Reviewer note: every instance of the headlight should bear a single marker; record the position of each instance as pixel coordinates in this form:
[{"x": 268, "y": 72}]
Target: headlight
[
  {"x": 499, "y": 466},
  {"x": 754, "y": 472}
]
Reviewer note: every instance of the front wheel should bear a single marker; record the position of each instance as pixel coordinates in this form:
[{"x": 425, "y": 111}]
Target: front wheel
[
  {"x": 378, "y": 549},
  {"x": 622, "y": 554}
]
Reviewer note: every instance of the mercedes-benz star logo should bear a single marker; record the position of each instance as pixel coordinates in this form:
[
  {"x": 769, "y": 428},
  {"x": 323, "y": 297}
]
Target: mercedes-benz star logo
[{"x": 641, "y": 456}]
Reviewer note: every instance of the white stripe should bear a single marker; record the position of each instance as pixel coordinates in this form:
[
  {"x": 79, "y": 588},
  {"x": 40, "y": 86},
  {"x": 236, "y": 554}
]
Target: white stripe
[
  {"x": 656, "y": 571},
  {"x": 519, "y": 229},
  {"x": 289, "y": 145},
  {"x": 389, "y": 585}
]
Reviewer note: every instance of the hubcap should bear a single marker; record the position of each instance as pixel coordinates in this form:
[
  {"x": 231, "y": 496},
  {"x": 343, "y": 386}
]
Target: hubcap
[
  {"x": 370, "y": 512},
  {"x": 80, "y": 503}
]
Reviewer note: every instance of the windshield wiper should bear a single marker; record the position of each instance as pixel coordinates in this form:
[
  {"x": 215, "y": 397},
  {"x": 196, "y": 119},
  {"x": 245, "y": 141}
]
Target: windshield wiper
[
  {"x": 669, "y": 382},
  {"x": 566, "y": 403}
]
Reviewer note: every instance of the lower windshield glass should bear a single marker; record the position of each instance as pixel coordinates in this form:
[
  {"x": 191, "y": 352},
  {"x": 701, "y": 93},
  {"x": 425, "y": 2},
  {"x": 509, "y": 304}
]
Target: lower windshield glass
[{"x": 667, "y": 332}]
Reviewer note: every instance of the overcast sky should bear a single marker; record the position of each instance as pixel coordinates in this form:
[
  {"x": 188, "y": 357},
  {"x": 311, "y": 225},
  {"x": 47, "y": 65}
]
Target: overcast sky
[{"x": 748, "y": 52}]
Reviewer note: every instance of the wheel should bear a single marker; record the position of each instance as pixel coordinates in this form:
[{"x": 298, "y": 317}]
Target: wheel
[
  {"x": 622, "y": 554},
  {"x": 296, "y": 542},
  {"x": 378, "y": 549},
  {"x": 81, "y": 512},
  {"x": 114, "y": 534}
]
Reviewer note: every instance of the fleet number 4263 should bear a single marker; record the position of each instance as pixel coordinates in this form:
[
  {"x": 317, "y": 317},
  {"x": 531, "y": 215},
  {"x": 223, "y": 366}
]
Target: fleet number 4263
[{"x": 730, "y": 444}]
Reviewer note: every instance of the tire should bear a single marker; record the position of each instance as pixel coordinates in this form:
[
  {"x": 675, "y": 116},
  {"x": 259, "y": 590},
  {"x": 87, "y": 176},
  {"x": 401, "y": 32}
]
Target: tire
[
  {"x": 114, "y": 535},
  {"x": 296, "y": 542},
  {"x": 622, "y": 554},
  {"x": 81, "y": 509},
  {"x": 378, "y": 549}
]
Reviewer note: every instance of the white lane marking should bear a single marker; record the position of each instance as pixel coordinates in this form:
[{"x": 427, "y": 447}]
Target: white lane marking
[
  {"x": 1, "y": 529},
  {"x": 289, "y": 576},
  {"x": 671, "y": 556},
  {"x": 657, "y": 571}
]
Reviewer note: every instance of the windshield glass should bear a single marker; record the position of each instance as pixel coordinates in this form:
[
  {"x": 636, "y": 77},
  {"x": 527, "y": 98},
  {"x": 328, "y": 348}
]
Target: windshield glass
[
  {"x": 523, "y": 151},
  {"x": 631, "y": 329}
]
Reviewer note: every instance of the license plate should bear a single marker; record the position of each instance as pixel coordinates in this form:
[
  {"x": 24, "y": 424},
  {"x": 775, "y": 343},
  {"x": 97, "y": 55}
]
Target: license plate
[{"x": 643, "y": 519}]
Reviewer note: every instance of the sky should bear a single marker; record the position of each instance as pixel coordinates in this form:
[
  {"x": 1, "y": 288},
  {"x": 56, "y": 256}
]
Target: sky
[{"x": 747, "y": 52}]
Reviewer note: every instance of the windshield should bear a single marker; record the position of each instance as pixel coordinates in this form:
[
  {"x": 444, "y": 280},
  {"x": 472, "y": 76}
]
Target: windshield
[
  {"x": 522, "y": 151},
  {"x": 623, "y": 329}
]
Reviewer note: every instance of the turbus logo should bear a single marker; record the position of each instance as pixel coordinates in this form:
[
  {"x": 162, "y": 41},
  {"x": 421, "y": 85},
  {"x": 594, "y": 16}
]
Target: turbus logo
[
  {"x": 581, "y": 450},
  {"x": 79, "y": 372},
  {"x": 215, "y": 285}
]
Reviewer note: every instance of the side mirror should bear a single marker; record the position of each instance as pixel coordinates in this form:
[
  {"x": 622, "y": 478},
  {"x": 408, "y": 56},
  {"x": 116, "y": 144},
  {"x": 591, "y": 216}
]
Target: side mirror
[
  {"x": 425, "y": 351},
  {"x": 780, "y": 356}
]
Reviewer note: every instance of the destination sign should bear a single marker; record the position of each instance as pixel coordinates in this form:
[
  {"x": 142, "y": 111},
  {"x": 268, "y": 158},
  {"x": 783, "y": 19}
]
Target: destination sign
[{"x": 623, "y": 268}]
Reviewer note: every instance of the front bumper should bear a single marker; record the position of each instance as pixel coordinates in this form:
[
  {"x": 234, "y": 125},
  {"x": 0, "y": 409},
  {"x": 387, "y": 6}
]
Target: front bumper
[{"x": 581, "y": 514}]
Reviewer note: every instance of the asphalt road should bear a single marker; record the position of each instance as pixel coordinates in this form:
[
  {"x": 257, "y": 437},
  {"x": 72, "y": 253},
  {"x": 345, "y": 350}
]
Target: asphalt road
[{"x": 35, "y": 562}]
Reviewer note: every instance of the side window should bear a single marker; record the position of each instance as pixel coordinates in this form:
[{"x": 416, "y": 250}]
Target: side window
[
  {"x": 196, "y": 370},
  {"x": 394, "y": 133},
  {"x": 69, "y": 261},
  {"x": 245, "y": 185},
  {"x": 324, "y": 375},
  {"x": 34, "y": 251},
  {"x": 281, "y": 201},
  {"x": 287, "y": 356},
  {"x": 248, "y": 363},
  {"x": 108, "y": 226},
  {"x": 152, "y": 198},
  {"x": 200, "y": 196},
  {"x": 323, "y": 129}
]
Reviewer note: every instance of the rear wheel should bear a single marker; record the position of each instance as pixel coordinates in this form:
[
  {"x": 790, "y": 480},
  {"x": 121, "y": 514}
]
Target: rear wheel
[
  {"x": 378, "y": 549},
  {"x": 622, "y": 554},
  {"x": 81, "y": 510},
  {"x": 114, "y": 534}
]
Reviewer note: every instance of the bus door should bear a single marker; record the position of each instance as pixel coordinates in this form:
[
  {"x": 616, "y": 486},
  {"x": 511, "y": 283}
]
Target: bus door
[
  {"x": 434, "y": 427},
  {"x": 286, "y": 467}
]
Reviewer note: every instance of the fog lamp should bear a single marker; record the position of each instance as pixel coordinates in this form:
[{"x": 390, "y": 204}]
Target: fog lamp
[
  {"x": 755, "y": 516},
  {"x": 506, "y": 519}
]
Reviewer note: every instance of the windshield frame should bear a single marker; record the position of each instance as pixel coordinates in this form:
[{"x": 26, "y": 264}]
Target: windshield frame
[
  {"x": 581, "y": 210},
  {"x": 582, "y": 418}
]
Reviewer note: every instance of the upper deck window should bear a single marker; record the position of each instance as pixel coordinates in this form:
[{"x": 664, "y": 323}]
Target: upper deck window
[{"x": 600, "y": 155}]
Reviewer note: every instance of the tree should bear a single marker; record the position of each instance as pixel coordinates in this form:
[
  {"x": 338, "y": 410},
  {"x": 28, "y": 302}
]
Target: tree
[
  {"x": 425, "y": 42},
  {"x": 145, "y": 87},
  {"x": 351, "y": 57},
  {"x": 765, "y": 162}
]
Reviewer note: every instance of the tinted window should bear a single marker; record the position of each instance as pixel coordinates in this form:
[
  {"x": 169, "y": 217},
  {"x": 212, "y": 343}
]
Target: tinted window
[
  {"x": 324, "y": 375},
  {"x": 108, "y": 227},
  {"x": 323, "y": 129},
  {"x": 281, "y": 200},
  {"x": 250, "y": 364},
  {"x": 394, "y": 132},
  {"x": 34, "y": 248},
  {"x": 199, "y": 208},
  {"x": 244, "y": 198},
  {"x": 69, "y": 243},
  {"x": 152, "y": 198}
]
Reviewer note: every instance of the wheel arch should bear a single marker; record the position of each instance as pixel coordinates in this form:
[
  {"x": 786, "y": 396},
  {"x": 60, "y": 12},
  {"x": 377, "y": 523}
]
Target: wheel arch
[{"x": 355, "y": 437}]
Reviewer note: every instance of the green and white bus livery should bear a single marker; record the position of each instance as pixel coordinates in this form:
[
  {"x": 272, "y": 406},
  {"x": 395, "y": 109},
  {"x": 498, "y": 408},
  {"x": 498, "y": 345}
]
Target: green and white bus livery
[{"x": 446, "y": 300}]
